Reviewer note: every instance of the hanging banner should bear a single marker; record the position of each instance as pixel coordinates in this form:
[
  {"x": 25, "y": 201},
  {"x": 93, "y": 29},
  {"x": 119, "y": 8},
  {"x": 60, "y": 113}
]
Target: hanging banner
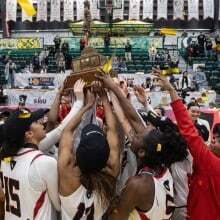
[
  {"x": 193, "y": 9},
  {"x": 178, "y": 9},
  {"x": 41, "y": 10},
  {"x": 148, "y": 9},
  {"x": 68, "y": 10},
  {"x": 21, "y": 43},
  {"x": 55, "y": 10},
  {"x": 11, "y": 10},
  {"x": 208, "y": 9},
  {"x": 95, "y": 12},
  {"x": 134, "y": 10},
  {"x": 119, "y": 13},
  {"x": 161, "y": 9},
  {"x": 79, "y": 10},
  {"x": 25, "y": 15}
]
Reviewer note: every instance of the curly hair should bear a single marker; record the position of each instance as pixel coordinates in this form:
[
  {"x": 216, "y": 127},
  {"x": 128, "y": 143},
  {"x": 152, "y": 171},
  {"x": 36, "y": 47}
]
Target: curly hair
[{"x": 164, "y": 147}]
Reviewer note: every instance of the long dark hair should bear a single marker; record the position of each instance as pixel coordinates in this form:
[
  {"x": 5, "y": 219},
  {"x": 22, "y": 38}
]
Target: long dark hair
[
  {"x": 102, "y": 184},
  {"x": 10, "y": 147}
]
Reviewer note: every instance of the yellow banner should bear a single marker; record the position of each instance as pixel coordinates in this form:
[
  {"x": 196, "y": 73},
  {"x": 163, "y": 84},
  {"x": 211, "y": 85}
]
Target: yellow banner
[
  {"x": 21, "y": 43},
  {"x": 27, "y": 6}
]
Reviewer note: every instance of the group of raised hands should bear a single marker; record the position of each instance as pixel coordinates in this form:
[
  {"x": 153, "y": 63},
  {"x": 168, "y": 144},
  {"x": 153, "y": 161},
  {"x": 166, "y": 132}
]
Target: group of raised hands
[{"x": 104, "y": 81}]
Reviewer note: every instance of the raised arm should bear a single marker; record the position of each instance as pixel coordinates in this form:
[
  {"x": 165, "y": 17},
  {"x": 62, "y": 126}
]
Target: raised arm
[
  {"x": 127, "y": 107},
  {"x": 67, "y": 159},
  {"x": 198, "y": 149},
  {"x": 53, "y": 113},
  {"x": 113, "y": 163}
]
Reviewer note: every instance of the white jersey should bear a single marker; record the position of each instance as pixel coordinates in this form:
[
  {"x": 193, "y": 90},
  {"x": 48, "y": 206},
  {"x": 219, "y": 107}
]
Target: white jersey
[
  {"x": 21, "y": 201},
  {"x": 81, "y": 205},
  {"x": 163, "y": 205}
]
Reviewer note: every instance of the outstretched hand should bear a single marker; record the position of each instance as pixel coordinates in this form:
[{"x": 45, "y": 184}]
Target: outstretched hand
[
  {"x": 140, "y": 94},
  {"x": 78, "y": 89},
  {"x": 106, "y": 80},
  {"x": 163, "y": 81}
]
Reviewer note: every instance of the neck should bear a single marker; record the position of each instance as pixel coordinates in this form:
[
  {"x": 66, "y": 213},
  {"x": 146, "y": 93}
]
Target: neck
[
  {"x": 31, "y": 143},
  {"x": 216, "y": 152}
]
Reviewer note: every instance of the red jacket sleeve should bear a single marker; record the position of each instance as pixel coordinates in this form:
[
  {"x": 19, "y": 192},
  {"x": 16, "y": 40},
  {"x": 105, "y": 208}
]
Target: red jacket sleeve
[{"x": 203, "y": 158}]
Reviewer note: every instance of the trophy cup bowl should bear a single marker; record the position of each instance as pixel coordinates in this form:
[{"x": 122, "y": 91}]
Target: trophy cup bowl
[{"x": 85, "y": 67}]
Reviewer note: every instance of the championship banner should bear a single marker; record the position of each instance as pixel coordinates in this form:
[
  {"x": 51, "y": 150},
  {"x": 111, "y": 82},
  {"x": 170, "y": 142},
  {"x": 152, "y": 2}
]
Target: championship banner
[
  {"x": 95, "y": 12},
  {"x": 21, "y": 43},
  {"x": 11, "y": 10},
  {"x": 148, "y": 7},
  {"x": 134, "y": 10},
  {"x": 68, "y": 10},
  {"x": 208, "y": 9},
  {"x": 79, "y": 10},
  {"x": 193, "y": 9},
  {"x": 161, "y": 9},
  {"x": 55, "y": 10},
  {"x": 41, "y": 10},
  {"x": 119, "y": 13},
  {"x": 178, "y": 9}
]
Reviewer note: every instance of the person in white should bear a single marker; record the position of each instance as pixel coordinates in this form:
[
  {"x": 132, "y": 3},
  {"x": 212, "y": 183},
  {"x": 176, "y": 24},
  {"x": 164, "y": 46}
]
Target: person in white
[{"x": 30, "y": 193}]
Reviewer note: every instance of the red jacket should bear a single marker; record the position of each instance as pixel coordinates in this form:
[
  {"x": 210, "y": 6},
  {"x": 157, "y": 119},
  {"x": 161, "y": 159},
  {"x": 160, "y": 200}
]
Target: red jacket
[{"x": 204, "y": 191}]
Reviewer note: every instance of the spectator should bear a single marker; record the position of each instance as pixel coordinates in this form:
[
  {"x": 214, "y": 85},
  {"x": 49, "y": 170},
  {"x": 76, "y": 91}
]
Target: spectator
[
  {"x": 61, "y": 65},
  {"x": 3, "y": 96},
  {"x": 185, "y": 80},
  {"x": 82, "y": 43},
  {"x": 107, "y": 41},
  {"x": 201, "y": 42},
  {"x": 36, "y": 63},
  {"x": 65, "y": 48},
  {"x": 57, "y": 42},
  {"x": 208, "y": 47},
  {"x": 199, "y": 79},
  {"x": 128, "y": 49},
  {"x": 43, "y": 59},
  {"x": 58, "y": 56},
  {"x": 152, "y": 52},
  {"x": 122, "y": 65},
  {"x": 10, "y": 70},
  {"x": 194, "y": 111}
]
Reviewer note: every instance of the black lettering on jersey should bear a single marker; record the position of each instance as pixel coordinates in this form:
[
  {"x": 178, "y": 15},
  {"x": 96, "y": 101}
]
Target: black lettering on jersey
[
  {"x": 166, "y": 185},
  {"x": 89, "y": 212},
  {"x": 9, "y": 185}
]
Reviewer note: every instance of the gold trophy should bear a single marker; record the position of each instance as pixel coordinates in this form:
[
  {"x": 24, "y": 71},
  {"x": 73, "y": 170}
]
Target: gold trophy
[{"x": 86, "y": 67}]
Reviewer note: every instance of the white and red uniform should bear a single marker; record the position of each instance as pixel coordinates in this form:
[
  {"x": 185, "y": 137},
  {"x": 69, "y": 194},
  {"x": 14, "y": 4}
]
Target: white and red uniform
[
  {"x": 81, "y": 205},
  {"x": 163, "y": 205},
  {"x": 25, "y": 197}
]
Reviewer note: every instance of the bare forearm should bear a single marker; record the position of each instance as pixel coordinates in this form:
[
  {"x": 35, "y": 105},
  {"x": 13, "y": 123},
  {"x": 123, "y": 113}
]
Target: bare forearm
[
  {"x": 53, "y": 113},
  {"x": 128, "y": 109},
  {"x": 74, "y": 122},
  {"x": 120, "y": 114}
]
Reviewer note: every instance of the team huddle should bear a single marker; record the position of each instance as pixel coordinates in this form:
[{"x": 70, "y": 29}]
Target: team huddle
[{"x": 127, "y": 163}]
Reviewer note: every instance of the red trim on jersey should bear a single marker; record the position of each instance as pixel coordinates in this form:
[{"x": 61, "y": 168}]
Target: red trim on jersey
[
  {"x": 38, "y": 155},
  {"x": 39, "y": 203},
  {"x": 28, "y": 151},
  {"x": 143, "y": 216}
]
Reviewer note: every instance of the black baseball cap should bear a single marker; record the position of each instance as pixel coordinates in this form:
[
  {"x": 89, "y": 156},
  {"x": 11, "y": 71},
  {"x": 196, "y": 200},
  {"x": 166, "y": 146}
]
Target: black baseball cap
[
  {"x": 93, "y": 151},
  {"x": 20, "y": 121}
]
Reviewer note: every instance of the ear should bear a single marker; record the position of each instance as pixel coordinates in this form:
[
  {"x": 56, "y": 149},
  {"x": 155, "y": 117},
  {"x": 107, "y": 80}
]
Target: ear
[{"x": 28, "y": 135}]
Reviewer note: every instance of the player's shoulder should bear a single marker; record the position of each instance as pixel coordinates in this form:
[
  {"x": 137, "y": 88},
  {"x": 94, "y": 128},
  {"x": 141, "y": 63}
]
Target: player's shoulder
[
  {"x": 140, "y": 183},
  {"x": 44, "y": 160}
]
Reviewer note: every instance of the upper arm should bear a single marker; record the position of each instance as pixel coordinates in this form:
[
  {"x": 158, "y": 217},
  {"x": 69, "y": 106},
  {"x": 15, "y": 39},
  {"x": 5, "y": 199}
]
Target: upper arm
[
  {"x": 113, "y": 163},
  {"x": 41, "y": 181},
  {"x": 66, "y": 154},
  {"x": 129, "y": 199}
]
